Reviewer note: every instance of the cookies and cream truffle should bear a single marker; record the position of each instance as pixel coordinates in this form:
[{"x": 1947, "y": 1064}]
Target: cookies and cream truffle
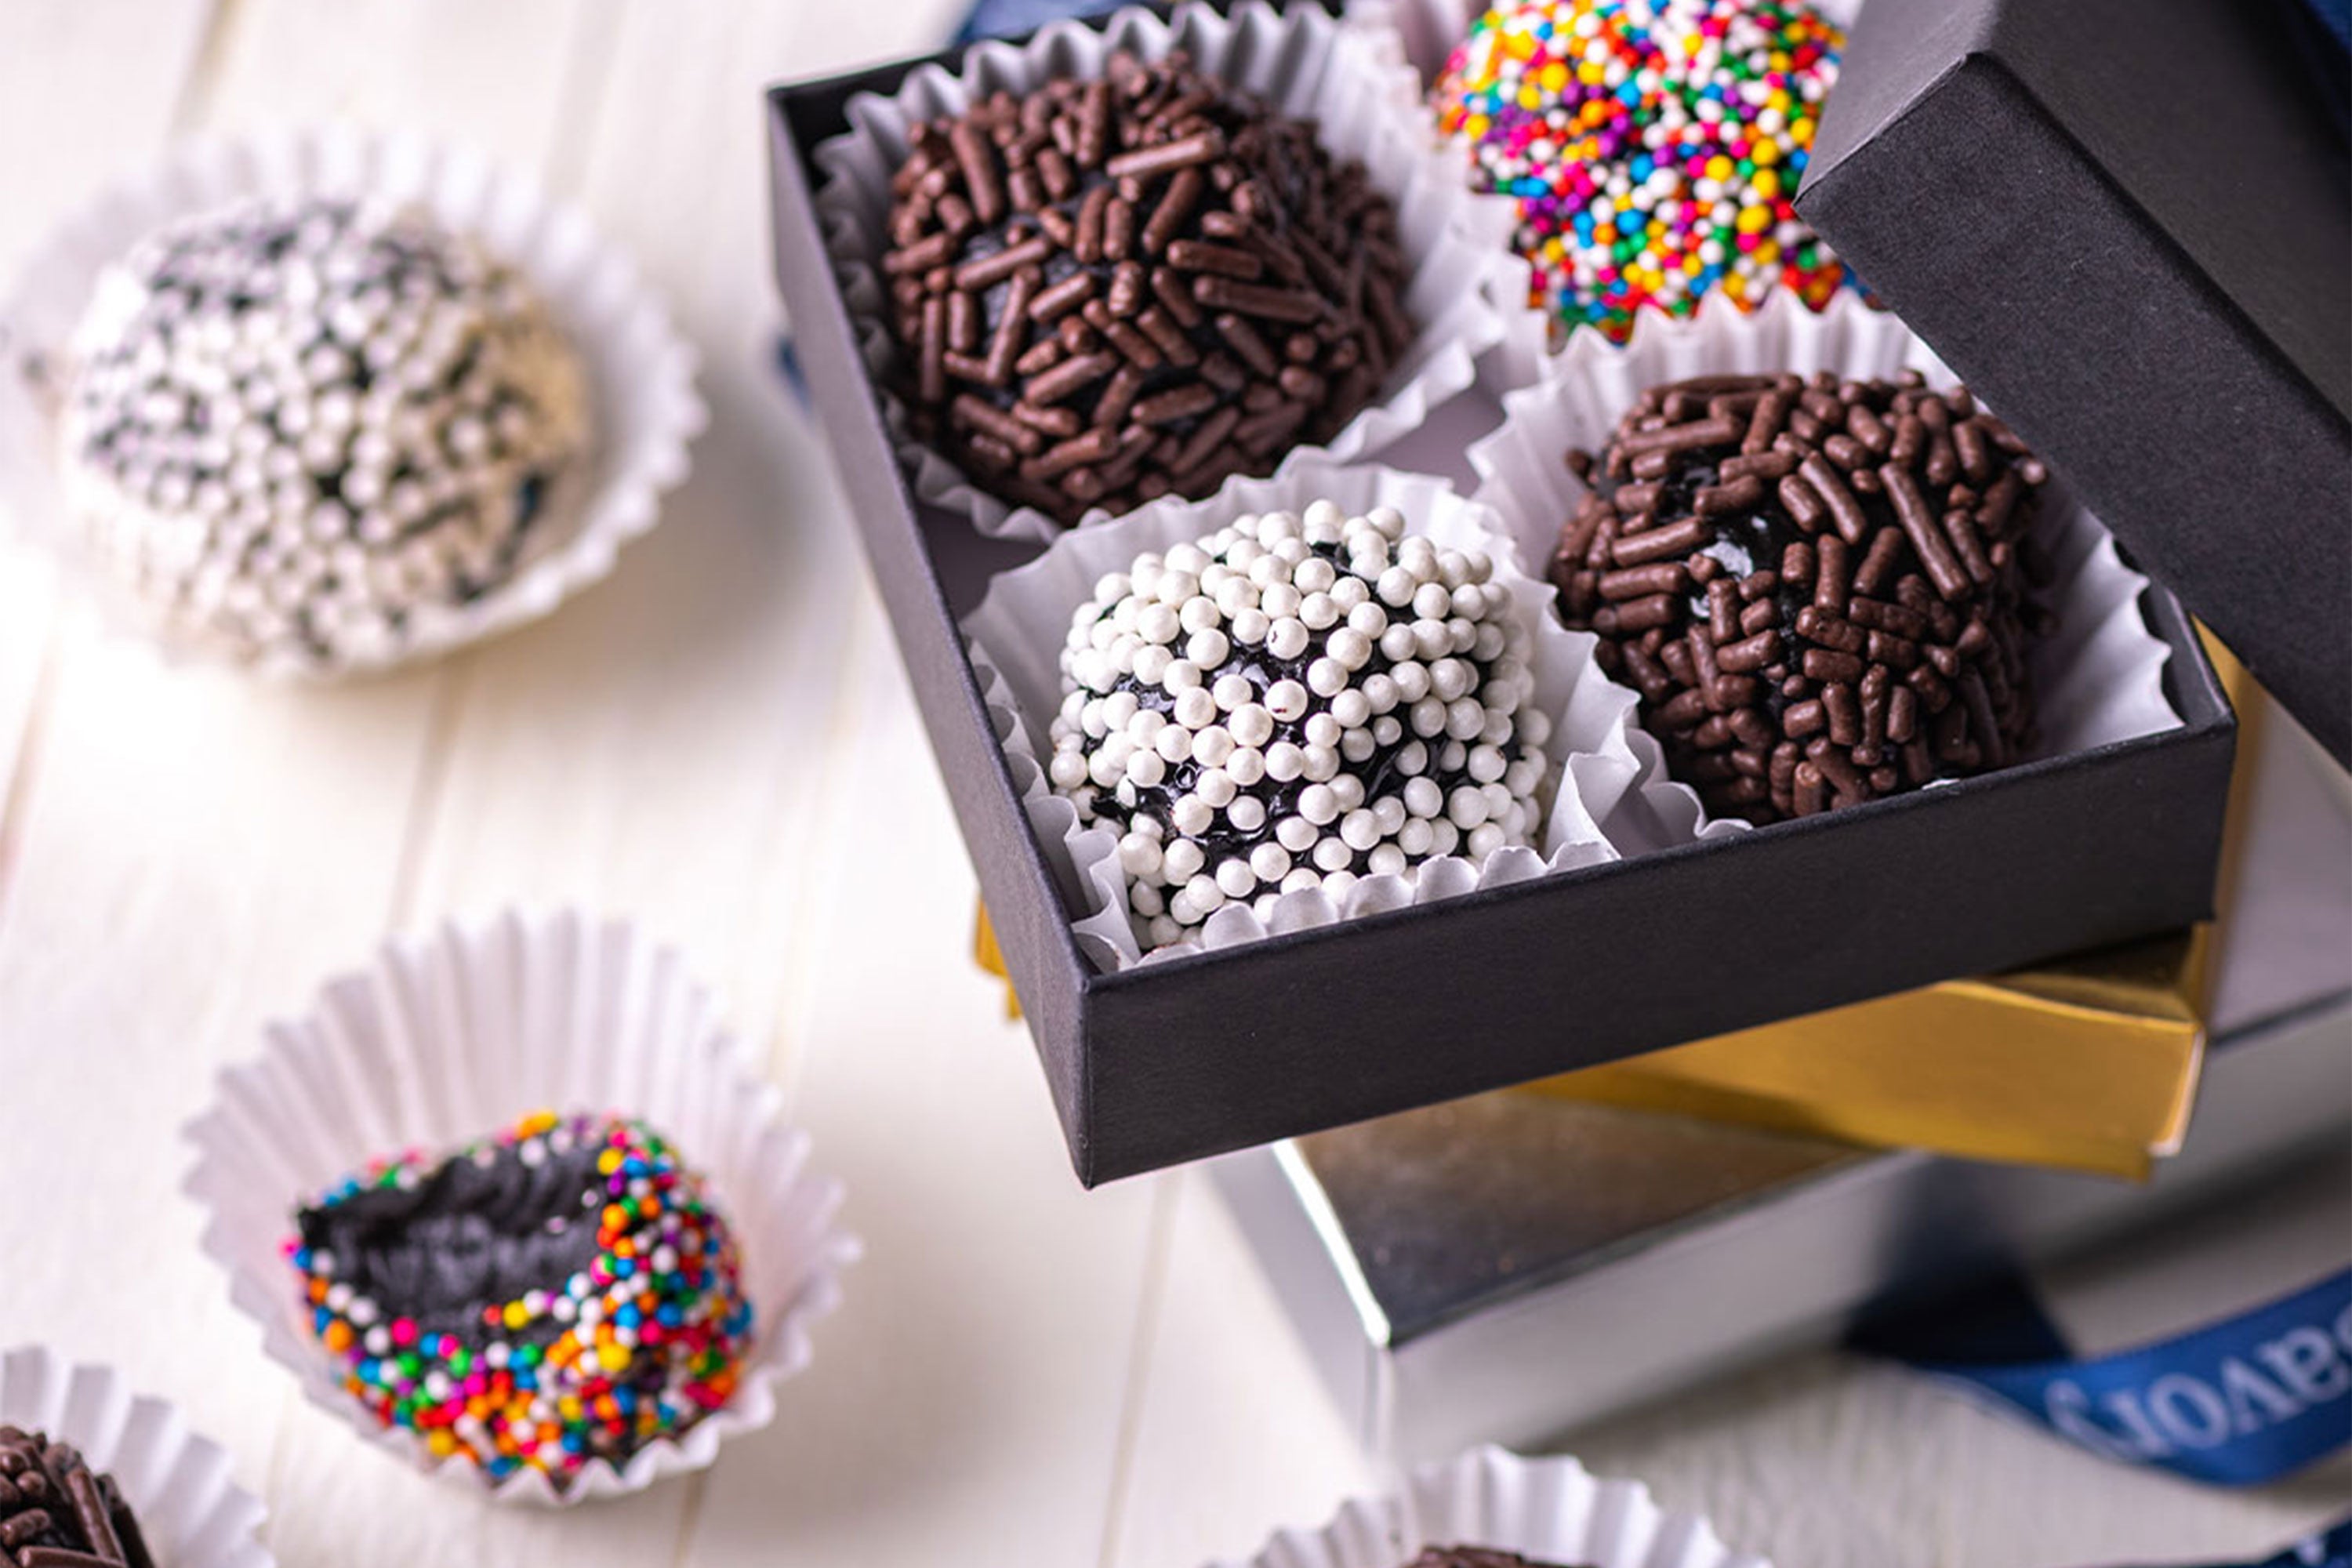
[
  {"x": 292, "y": 425},
  {"x": 1296, "y": 701},
  {"x": 561, "y": 1293},
  {"x": 1820, "y": 587},
  {"x": 1110, "y": 289},
  {"x": 56, "y": 1512}
]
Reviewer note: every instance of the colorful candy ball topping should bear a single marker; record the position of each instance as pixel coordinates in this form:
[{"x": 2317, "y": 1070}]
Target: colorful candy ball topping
[
  {"x": 561, "y": 1293},
  {"x": 1653, "y": 146},
  {"x": 1300, "y": 700}
]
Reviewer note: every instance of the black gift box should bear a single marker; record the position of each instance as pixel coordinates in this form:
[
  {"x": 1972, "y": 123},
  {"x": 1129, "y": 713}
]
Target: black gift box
[
  {"x": 2125, "y": 222},
  {"x": 1199, "y": 1055}
]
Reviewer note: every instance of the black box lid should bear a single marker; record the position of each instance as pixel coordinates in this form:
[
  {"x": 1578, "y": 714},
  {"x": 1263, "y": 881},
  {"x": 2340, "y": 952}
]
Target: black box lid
[{"x": 2125, "y": 223}]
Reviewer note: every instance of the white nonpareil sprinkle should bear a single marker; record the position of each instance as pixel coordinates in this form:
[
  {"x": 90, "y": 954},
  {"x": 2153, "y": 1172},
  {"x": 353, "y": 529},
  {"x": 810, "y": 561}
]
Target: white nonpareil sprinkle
[
  {"x": 1371, "y": 711},
  {"x": 290, "y": 426}
]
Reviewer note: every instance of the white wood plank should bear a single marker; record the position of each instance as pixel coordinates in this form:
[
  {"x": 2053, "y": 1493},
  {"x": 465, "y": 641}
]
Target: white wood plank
[
  {"x": 493, "y": 76},
  {"x": 194, "y": 852},
  {"x": 109, "y": 1011},
  {"x": 1231, "y": 1433},
  {"x": 91, "y": 87},
  {"x": 28, "y": 591},
  {"x": 522, "y": 83},
  {"x": 655, "y": 747},
  {"x": 965, "y": 1405},
  {"x": 66, "y": 140},
  {"x": 710, "y": 741}
]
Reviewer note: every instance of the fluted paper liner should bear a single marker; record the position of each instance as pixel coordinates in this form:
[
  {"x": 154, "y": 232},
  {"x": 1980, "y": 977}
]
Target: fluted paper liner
[
  {"x": 643, "y": 407},
  {"x": 2098, "y": 677},
  {"x": 177, "y": 1484},
  {"x": 1018, "y": 631},
  {"x": 448, "y": 1038},
  {"x": 1353, "y": 82},
  {"x": 1549, "y": 1510}
]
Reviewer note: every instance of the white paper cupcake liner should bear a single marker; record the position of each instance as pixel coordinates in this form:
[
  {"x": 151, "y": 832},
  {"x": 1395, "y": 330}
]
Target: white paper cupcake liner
[
  {"x": 644, "y": 410},
  {"x": 1549, "y": 1510},
  {"x": 447, "y": 1039},
  {"x": 1424, "y": 32},
  {"x": 2098, "y": 677},
  {"x": 177, "y": 1484},
  {"x": 1018, "y": 631},
  {"x": 1352, "y": 82}
]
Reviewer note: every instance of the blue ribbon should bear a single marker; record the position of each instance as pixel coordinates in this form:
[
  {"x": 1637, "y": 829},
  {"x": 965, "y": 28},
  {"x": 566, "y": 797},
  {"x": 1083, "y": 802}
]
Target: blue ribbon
[
  {"x": 2236, "y": 1403},
  {"x": 2321, "y": 33},
  {"x": 1011, "y": 18}
]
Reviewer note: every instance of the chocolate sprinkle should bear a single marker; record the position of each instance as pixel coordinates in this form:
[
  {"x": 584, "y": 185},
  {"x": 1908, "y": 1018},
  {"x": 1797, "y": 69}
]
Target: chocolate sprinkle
[
  {"x": 1473, "y": 1557},
  {"x": 1819, "y": 588},
  {"x": 1177, "y": 271},
  {"x": 56, "y": 1512}
]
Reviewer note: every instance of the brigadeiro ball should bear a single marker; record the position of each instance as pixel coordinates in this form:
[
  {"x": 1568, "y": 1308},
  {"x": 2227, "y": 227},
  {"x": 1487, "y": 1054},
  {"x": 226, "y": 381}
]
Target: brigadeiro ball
[
  {"x": 563, "y": 1292},
  {"x": 1112, "y": 289},
  {"x": 1821, "y": 588},
  {"x": 56, "y": 1512},
  {"x": 292, "y": 425},
  {"x": 1652, "y": 146},
  {"x": 1472, "y": 1557},
  {"x": 1296, "y": 701}
]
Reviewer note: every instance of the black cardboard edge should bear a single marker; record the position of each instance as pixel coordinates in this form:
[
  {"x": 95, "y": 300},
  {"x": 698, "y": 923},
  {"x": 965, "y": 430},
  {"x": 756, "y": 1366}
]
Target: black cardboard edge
[
  {"x": 1242, "y": 1050},
  {"x": 1042, "y": 958},
  {"x": 1190, "y": 1095},
  {"x": 2246, "y": 593}
]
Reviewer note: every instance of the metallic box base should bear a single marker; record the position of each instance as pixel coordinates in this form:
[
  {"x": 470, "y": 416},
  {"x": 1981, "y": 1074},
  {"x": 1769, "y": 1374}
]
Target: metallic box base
[{"x": 1512, "y": 1265}]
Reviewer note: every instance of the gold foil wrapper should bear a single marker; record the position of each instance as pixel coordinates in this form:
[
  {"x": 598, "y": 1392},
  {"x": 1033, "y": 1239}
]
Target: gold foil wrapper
[{"x": 2090, "y": 1065}]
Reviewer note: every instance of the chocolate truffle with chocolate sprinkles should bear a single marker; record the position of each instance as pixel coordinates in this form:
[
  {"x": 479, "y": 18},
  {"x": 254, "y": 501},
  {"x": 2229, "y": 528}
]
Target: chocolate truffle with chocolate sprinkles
[
  {"x": 1819, "y": 588},
  {"x": 1296, "y": 701},
  {"x": 1474, "y": 1557},
  {"x": 1108, "y": 290},
  {"x": 56, "y": 1512}
]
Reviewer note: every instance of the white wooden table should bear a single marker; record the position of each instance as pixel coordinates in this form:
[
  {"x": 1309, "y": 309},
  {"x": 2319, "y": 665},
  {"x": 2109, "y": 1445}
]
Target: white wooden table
[{"x": 718, "y": 742}]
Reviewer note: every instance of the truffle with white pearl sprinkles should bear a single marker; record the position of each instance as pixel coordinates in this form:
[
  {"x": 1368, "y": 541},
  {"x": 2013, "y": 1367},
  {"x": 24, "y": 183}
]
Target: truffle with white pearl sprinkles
[
  {"x": 1299, "y": 700},
  {"x": 293, "y": 425}
]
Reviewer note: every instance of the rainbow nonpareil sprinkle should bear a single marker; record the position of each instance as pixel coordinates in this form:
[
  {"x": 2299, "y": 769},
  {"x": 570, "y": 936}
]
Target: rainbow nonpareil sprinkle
[
  {"x": 561, "y": 1293},
  {"x": 1652, "y": 146}
]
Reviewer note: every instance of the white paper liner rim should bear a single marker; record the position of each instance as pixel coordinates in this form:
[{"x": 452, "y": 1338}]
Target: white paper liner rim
[
  {"x": 1016, "y": 634},
  {"x": 1354, "y": 82},
  {"x": 1548, "y": 1510},
  {"x": 177, "y": 1484},
  {"x": 445, "y": 1038},
  {"x": 644, "y": 410},
  {"x": 2098, "y": 677}
]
